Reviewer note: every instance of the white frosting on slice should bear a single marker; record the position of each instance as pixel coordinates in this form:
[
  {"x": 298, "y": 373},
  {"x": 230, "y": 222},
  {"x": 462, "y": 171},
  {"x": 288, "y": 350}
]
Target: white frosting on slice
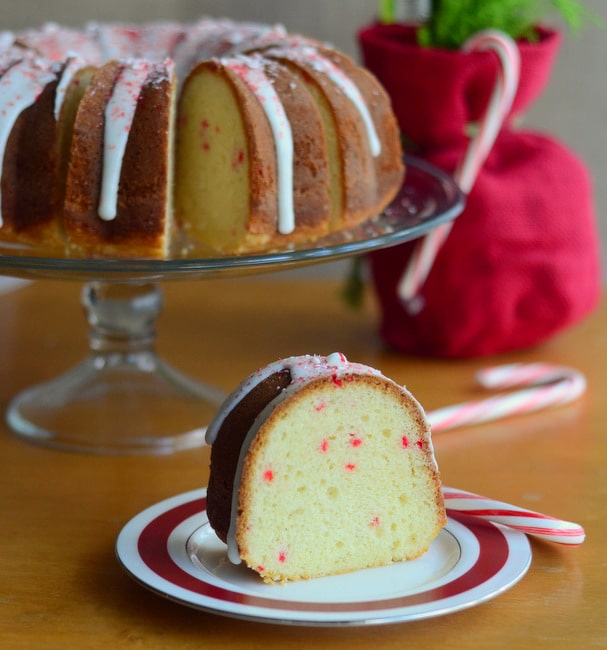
[
  {"x": 7, "y": 38},
  {"x": 20, "y": 87},
  {"x": 115, "y": 41},
  {"x": 303, "y": 369},
  {"x": 72, "y": 65},
  {"x": 119, "y": 113},
  {"x": 57, "y": 43},
  {"x": 250, "y": 70},
  {"x": 311, "y": 56}
]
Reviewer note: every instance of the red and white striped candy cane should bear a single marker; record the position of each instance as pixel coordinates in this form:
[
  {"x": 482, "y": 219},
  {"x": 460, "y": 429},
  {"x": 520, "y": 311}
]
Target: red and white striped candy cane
[
  {"x": 545, "y": 385},
  {"x": 425, "y": 252},
  {"x": 527, "y": 521}
]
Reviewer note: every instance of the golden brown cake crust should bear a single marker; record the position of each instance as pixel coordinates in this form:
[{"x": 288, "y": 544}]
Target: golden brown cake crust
[
  {"x": 31, "y": 199},
  {"x": 311, "y": 165},
  {"x": 139, "y": 229},
  {"x": 358, "y": 177},
  {"x": 262, "y": 199},
  {"x": 389, "y": 169}
]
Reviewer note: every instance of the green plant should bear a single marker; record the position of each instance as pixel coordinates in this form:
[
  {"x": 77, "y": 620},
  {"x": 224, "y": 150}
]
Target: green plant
[{"x": 451, "y": 22}]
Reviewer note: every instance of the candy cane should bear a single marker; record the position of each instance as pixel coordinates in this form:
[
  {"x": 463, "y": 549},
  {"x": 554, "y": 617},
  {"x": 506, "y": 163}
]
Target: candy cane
[
  {"x": 425, "y": 252},
  {"x": 528, "y": 521},
  {"x": 547, "y": 385}
]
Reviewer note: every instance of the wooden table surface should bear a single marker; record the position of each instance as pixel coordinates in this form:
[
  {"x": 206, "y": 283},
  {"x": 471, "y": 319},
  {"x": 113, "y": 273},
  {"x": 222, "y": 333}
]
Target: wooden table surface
[{"x": 60, "y": 512}]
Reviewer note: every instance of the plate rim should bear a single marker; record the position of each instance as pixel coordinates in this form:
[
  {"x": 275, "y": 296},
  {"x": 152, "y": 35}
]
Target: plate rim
[{"x": 514, "y": 568}]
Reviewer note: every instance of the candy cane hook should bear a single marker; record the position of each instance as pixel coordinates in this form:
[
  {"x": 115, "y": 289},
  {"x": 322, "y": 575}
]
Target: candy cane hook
[
  {"x": 424, "y": 254},
  {"x": 545, "y": 385}
]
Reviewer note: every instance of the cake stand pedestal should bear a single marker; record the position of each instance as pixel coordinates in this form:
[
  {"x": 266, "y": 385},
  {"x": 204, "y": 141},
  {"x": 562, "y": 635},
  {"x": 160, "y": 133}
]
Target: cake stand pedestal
[{"x": 123, "y": 391}]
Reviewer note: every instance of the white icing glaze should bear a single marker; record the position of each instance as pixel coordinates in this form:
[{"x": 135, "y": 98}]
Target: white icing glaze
[
  {"x": 57, "y": 43},
  {"x": 119, "y": 113},
  {"x": 210, "y": 38},
  {"x": 20, "y": 86},
  {"x": 187, "y": 51},
  {"x": 72, "y": 65},
  {"x": 309, "y": 55},
  {"x": 7, "y": 38},
  {"x": 159, "y": 40},
  {"x": 229, "y": 38},
  {"x": 250, "y": 70},
  {"x": 153, "y": 41},
  {"x": 303, "y": 369},
  {"x": 115, "y": 41}
]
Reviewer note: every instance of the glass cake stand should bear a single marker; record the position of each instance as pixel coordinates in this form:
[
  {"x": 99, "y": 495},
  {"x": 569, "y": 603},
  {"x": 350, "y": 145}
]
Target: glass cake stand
[{"x": 123, "y": 390}]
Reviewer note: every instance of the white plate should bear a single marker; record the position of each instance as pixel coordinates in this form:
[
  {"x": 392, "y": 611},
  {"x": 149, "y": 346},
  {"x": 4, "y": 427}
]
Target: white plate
[{"x": 171, "y": 549}]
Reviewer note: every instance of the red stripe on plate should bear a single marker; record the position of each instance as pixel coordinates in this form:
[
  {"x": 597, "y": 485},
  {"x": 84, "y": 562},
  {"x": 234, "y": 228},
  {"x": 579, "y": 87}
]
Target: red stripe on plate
[{"x": 153, "y": 550}]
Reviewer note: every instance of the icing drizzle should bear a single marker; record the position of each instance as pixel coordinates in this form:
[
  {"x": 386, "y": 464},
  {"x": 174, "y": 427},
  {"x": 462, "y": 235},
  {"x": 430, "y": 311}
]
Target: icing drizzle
[
  {"x": 250, "y": 70},
  {"x": 72, "y": 65},
  {"x": 350, "y": 91},
  {"x": 309, "y": 55},
  {"x": 119, "y": 113}
]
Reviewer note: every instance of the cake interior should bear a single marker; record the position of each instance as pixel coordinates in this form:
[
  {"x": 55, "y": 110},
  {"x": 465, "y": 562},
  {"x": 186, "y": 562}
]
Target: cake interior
[{"x": 336, "y": 481}]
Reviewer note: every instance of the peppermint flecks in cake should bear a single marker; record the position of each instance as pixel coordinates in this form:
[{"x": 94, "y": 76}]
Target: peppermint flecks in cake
[
  {"x": 404, "y": 441},
  {"x": 324, "y": 445},
  {"x": 237, "y": 159},
  {"x": 355, "y": 441},
  {"x": 203, "y": 132}
]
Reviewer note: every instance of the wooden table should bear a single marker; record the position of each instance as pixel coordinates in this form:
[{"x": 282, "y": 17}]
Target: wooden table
[{"x": 62, "y": 587}]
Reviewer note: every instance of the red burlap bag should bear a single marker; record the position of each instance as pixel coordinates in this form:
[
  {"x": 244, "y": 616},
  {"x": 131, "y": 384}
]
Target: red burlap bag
[{"x": 522, "y": 261}]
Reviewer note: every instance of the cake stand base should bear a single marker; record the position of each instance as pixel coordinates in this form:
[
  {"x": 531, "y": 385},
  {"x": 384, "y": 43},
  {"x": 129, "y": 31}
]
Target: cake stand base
[{"x": 129, "y": 398}]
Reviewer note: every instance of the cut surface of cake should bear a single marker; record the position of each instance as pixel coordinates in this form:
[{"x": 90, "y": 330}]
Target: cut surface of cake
[
  {"x": 279, "y": 140},
  {"x": 252, "y": 168},
  {"x": 320, "y": 467}
]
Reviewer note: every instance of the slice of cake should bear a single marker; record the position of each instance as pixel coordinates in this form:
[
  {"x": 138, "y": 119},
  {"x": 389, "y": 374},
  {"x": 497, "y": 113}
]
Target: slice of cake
[
  {"x": 38, "y": 97},
  {"x": 320, "y": 467},
  {"x": 118, "y": 188},
  {"x": 252, "y": 170},
  {"x": 354, "y": 139}
]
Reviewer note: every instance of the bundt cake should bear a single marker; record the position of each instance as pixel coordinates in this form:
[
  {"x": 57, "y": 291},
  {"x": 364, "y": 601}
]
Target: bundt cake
[
  {"x": 155, "y": 140},
  {"x": 320, "y": 467}
]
